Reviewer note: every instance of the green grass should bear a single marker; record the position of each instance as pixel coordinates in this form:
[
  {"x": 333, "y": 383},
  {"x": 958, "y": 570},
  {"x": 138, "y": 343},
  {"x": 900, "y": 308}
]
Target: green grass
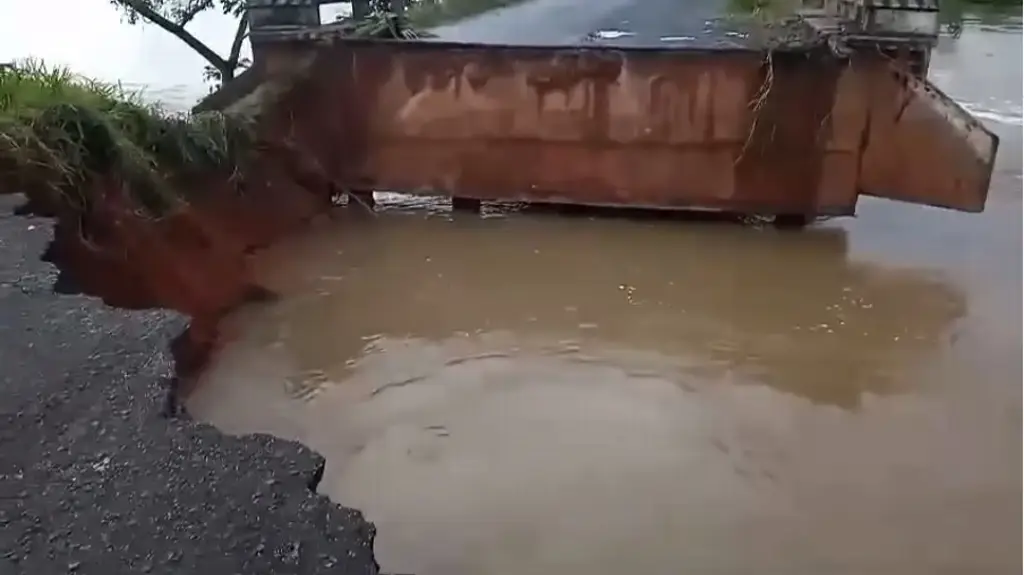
[
  {"x": 948, "y": 8},
  {"x": 987, "y": 11},
  {"x": 992, "y": 3},
  {"x": 60, "y": 132}
]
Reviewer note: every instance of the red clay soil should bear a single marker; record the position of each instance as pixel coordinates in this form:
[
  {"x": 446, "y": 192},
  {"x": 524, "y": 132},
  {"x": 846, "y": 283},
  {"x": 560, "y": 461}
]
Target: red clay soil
[{"x": 194, "y": 260}]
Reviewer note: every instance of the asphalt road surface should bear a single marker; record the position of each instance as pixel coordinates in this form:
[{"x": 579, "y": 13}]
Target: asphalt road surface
[{"x": 664, "y": 23}]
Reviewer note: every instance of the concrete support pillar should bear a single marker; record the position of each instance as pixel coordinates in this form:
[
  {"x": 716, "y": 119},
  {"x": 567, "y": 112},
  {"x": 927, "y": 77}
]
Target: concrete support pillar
[
  {"x": 791, "y": 221},
  {"x": 362, "y": 198},
  {"x": 465, "y": 204}
]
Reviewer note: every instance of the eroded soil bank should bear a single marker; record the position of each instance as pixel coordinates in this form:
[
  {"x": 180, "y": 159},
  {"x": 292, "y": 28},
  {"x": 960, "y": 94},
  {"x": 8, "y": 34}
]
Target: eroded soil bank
[{"x": 194, "y": 260}]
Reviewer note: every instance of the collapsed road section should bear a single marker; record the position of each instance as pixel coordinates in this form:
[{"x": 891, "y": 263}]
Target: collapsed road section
[
  {"x": 98, "y": 477},
  {"x": 132, "y": 209}
]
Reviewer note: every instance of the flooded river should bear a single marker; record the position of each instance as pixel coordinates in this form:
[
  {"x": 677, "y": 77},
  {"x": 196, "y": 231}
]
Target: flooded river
[{"x": 528, "y": 393}]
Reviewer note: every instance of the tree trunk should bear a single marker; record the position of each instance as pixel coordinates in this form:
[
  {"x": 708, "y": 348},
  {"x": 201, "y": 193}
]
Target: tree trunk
[{"x": 236, "y": 49}]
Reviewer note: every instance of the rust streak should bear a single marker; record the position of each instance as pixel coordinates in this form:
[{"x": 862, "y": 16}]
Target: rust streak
[{"x": 635, "y": 127}]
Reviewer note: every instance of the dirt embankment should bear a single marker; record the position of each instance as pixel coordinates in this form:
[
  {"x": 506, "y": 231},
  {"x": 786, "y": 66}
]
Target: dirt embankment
[
  {"x": 194, "y": 256},
  {"x": 195, "y": 259}
]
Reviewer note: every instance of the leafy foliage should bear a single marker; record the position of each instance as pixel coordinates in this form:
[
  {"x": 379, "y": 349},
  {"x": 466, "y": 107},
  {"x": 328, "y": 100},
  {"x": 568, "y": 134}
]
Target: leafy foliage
[
  {"x": 174, "y": 15},
  {"x": 180, "y": 12}
]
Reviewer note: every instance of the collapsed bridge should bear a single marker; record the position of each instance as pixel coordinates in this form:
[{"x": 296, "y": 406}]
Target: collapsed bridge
[{"x": 795, "y": 129}]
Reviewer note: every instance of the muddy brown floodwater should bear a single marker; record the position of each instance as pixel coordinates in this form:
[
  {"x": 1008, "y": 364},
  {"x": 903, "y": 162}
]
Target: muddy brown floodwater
[{"x": 527, "y": 393}]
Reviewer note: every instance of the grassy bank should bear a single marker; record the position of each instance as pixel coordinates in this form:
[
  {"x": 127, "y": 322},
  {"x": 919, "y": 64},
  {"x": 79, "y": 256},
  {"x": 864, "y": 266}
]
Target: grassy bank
[
  {"x": 947, "y": 8},
  {"x": 60, "y": 133},
  {"x": 1006, "y": 4}
]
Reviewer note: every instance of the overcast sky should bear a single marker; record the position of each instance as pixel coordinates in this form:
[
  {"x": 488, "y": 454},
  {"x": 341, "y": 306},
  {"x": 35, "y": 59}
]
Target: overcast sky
[{"x": 89, "y": 37}]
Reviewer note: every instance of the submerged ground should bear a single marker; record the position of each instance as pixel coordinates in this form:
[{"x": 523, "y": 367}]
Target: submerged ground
[{"x": 526, "y": 392}]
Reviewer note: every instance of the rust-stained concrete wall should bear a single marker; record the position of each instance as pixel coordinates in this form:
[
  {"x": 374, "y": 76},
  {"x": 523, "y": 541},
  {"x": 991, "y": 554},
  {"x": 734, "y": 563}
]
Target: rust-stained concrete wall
[
  {"x": 714, "y": 129},
  {"x": 785, "y": 131}
]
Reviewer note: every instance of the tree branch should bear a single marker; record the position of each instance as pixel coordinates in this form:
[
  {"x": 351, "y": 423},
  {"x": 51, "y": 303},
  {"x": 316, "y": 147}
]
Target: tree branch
[
  {"x": 236, "y": 44},
  {"x": 149, "y": 14}
]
